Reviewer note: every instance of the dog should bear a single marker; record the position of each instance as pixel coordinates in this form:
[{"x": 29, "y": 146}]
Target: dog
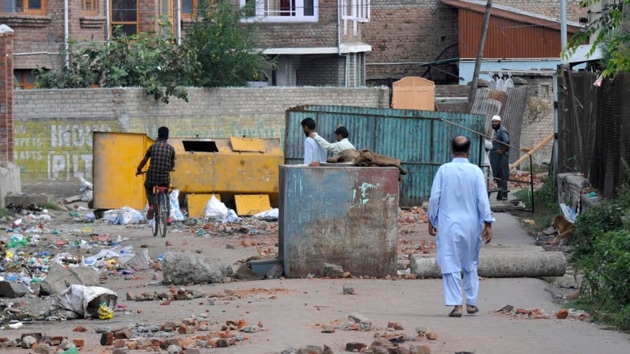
[{"x": 565, "y": 229}]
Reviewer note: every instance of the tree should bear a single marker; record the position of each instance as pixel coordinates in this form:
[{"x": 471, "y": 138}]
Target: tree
[
  {"x": 217, "y": 52},
  {"x": 610, "y": 33},
  {"x": 224, "y": 46}
]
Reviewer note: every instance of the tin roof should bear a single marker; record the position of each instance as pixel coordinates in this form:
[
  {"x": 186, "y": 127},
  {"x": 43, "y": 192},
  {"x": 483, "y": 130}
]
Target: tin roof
[{"x": 513, "y": 14}]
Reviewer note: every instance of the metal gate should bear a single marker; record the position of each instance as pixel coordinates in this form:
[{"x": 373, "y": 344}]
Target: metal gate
[{"x": 421, "y": 140}]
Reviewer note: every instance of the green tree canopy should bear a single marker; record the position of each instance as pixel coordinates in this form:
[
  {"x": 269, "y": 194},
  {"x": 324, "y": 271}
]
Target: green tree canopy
[
  {"x": 610, "y": 32},
  {"x": 217, "y": 51}
]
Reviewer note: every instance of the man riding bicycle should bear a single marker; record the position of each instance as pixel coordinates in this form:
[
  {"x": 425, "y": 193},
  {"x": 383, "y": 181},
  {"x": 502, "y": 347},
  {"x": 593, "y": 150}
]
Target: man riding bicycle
[{"x": 162, "y": 157}]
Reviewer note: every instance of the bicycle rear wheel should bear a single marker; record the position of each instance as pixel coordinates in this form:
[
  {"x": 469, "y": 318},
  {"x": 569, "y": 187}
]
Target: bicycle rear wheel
[
  {"x": 163, "y": 214},
  {"x": 156, "y": 219}
]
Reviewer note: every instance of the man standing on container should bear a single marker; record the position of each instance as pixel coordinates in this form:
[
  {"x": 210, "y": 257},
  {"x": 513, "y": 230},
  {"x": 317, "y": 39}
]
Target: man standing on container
[
  {"x": 500, "y": 157},
  {"x": 459, "y": 214},
  {"x": 313, "y": 153},
  {"x": 341, "y": 135},
  {"x": 162, "y": 157}
]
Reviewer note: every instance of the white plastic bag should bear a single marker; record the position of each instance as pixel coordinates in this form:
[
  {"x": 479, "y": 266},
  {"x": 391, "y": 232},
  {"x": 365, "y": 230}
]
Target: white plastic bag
[
  {"x": 79, "y": 301},
  {"x": 215, "y": 209},
  {"x": 123, "y": 216},
  {"x": 271, "y": 214},
  {"x": 87, "y": 190},
  {"x": 231, "y": 217},
  {"x": 176, "y": 214}
]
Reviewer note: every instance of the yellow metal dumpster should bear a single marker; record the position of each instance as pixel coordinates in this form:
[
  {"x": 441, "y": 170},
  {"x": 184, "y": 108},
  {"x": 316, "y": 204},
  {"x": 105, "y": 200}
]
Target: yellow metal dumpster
[{"x": 228, "y": 167}]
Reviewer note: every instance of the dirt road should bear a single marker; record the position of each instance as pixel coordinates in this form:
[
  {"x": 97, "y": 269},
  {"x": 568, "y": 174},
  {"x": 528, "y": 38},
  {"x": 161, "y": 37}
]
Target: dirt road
[{"x": 285, "y": 313}]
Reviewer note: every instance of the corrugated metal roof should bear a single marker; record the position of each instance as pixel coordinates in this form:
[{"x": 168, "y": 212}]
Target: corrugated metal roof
[{"x": 513, "y": 14}]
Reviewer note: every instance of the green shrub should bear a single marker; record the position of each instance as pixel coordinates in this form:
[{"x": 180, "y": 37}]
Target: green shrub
[
  {"x": 592, "y": 225},
  {"x": 545, "y": 197}
]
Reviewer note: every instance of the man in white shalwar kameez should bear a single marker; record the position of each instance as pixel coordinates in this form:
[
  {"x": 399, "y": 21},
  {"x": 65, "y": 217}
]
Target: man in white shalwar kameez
[{"x": 459, "y": 213}]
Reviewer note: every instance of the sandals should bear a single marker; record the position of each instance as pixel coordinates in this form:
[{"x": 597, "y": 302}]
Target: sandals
[
  {"x": 455, "y": 313},
  {"x": 472, "y": 309}
]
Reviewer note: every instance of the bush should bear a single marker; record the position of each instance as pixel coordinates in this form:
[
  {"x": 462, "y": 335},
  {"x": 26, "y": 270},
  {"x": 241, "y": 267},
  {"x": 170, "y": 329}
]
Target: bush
[{"x": 545, "y": 197}]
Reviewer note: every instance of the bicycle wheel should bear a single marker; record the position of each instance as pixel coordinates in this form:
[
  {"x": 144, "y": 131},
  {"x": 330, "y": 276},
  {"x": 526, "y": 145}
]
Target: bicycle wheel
[
  {"x": 156, "y": 218},
  {"x": 163, "y": 214}
]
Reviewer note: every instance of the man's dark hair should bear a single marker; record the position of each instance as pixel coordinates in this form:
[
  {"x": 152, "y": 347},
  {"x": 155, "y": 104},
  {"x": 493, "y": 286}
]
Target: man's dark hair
[
  {"x": 342, "y": 131},
  {"x": 163, "y": 132},
  {"x": 309, "y": 123},
  {"x": 460, "y": 144}
]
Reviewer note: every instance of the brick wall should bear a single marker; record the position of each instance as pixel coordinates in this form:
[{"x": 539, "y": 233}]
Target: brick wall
[
  {"x": 53, "y": 128},
  {"x": 546, "y": 7},
  {"x": 538, "y": 118},
  {"x": 408, "y": 32},
  {"x": 6, "y": 94}
]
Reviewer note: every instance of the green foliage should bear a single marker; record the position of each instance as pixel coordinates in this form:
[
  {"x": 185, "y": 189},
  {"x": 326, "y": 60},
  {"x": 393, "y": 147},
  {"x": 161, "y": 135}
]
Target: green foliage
[
  {"x": 606, "y": 280},
  {"x": 4, "y": 212},
  {"x": 216, "y": 52},
  {"x": 545, "y": 197},
  {"x": 601, "y": 243},
  {"x": 592, "y": 225},
  {"x": 608, "y": 36},
  {"x": 224, "y": 47}
]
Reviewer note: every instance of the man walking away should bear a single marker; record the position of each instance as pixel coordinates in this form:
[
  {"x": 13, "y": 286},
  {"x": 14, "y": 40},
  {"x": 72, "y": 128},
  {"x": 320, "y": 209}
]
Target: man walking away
[{"x": 460, "y": 216}]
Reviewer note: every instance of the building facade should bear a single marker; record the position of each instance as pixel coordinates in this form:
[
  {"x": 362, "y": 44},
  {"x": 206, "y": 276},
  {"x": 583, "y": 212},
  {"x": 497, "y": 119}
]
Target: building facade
[{"x": 314, "y": 42}]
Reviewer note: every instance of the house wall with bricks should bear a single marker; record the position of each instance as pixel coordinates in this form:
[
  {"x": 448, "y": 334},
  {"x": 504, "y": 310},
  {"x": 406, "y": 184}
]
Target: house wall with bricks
[
  {"x": 405, "y": 34},
  {"x": 53, "y": 128}
]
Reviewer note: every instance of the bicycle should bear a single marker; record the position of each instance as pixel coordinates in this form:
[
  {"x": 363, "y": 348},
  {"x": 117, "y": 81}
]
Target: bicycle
[
  {"x": 162, "y": 209},
  {"x": 160, "y": 220}
]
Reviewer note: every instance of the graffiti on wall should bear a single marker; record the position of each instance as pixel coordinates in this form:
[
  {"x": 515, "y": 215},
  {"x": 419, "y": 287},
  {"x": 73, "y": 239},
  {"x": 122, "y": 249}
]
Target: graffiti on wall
[{"x": 56, "y": 150}]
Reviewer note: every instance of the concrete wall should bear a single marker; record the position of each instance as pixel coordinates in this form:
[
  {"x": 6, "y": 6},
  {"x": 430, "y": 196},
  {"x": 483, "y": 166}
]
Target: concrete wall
[{"x": 53, "y": 128}]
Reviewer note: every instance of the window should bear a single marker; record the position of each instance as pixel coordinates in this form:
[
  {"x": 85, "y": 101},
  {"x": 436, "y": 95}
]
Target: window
[
  {"x": 189, "y": 8},
  {"x": 124, "y": 13},
  {"x": 90, "y": 7},
  {"x": 281, "y": 10},
  {"x": 354, "y": 11},
  {"x": 24, "y": 78},
  {"x": 36, "y": 7}
]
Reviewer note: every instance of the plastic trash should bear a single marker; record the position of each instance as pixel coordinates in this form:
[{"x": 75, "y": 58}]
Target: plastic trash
[
  {"x": 104, "y": 312},
  {"x": 215, "y": 209},
  {"x": 231, "y": 217},
  {"x": 87, "y": 190},
  {"x": 271, "y": 214},
  {"x": 17, "y": 325},
  {"x": 123, "y": 216},
  {"x": 175, "y": 212},
  {"x": 89, "y": 217}
]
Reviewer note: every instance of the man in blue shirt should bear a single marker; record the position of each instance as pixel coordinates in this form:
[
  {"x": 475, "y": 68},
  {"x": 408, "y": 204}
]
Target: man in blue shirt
[
  {"x": 459, "y": 214},
  {"x": 313, "y": 153}
]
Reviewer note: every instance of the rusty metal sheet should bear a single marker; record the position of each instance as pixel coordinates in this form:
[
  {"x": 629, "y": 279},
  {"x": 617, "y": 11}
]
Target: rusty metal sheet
[{"x": 344, "y": 215}]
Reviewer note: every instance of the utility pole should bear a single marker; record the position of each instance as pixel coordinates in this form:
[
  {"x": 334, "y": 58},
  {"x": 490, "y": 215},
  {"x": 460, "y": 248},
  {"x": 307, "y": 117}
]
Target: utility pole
[{"x": 482, "y": 43}]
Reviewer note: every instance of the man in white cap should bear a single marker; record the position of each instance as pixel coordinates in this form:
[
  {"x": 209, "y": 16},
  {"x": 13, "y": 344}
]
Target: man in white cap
[{"x": 500, "y": 157}]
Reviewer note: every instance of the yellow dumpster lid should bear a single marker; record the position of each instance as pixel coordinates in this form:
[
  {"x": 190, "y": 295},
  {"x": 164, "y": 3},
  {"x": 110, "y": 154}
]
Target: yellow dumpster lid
[{"x": 247, "y": 144}]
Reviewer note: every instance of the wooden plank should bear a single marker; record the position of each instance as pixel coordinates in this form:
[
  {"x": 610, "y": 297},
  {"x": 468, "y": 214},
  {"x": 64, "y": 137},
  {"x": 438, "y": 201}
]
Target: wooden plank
[{"x": 532, "y": 151}]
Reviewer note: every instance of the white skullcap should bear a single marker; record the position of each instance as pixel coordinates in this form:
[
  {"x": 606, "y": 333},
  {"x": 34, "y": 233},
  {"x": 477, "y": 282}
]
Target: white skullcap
[{"x": 496, "y": 118}]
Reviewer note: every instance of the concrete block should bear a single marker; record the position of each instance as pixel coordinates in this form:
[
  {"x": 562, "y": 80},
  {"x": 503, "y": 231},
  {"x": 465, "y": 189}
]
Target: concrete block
[
  {"x": 10, "y": 182},
  {"x": 502, "y": 262},
  {"x": 338, "y": 214}
]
